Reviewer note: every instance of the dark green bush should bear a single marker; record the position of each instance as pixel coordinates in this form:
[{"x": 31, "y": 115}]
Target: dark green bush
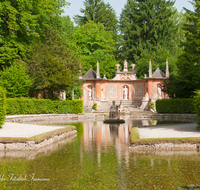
[
  {"x": 175, "y": 106},
  {"x": 2, "y": 106},
  {"x": 196, "y": 103},
  {"x": 16, "y": 106}
]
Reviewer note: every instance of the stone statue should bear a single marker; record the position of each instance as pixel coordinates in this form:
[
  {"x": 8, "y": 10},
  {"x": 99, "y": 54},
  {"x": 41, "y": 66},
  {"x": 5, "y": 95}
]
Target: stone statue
[
  {"x": 114, "y": 111},
  {"x": 159, "y": 92},
  {"x": 117, "y": 65},
  {"x": 125, "y": 66},
  {"x": 125, "y": 91},
  {"x": 89, "y": 93},
  {"x": 133, "y": 65},
  {"x": 146, "y": 97}
]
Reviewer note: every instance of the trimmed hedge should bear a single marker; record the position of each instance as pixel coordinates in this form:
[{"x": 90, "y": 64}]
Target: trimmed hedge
[
  {"x": 2, "y": 106},
  {"x": 175, "y": 106},
  {"x": 17, "y": 106},
  {"x": 197, "y": 105}
]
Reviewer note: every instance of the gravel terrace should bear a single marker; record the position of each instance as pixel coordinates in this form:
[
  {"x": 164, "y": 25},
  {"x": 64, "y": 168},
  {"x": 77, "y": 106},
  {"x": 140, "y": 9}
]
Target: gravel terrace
[
  {"x": 169, "y": 131},
  {"x": 25, "y": 130}
]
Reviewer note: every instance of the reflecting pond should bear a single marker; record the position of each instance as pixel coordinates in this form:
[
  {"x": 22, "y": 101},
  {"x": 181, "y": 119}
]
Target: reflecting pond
[{"x": 99, "y": 158}]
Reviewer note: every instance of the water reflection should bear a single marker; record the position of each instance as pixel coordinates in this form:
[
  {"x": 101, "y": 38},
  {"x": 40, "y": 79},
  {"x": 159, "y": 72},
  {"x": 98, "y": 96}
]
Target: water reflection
[
  {"x": 99, "y": 158},
  {"x": 104, "y": 136}
]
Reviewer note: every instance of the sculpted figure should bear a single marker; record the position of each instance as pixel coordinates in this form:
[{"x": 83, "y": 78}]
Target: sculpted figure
[
  {"x": 114, "y": 111},
  {"x": 159, "y": 93},
  {"x": 125, "y": 66},
  {"x": 146, "y": 97},
  {"x": 117, "y": 65},
  {"x": 125, "y": 91},
  {"x": 89, "y": 92}
]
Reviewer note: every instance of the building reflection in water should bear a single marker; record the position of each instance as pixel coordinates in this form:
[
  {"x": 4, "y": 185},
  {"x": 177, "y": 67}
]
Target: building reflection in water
[{"x": 100, "y": 136}]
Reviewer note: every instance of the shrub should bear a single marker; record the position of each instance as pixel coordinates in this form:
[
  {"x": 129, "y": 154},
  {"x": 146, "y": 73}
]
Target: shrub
[
  {"x": 152, "y": 105},
  {"x": 175, "y": 106},
  {"x": 16, "y": 106},
  {"x": 95, "y": 106},
  {"x": 196, "y": 103},
  {"x": 2, "y": 106},
  {"x": 15, "y": 80}
]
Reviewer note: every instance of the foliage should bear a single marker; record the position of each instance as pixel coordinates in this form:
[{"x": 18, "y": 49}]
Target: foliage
[
  {"x": 22, "y": 21},
  {"x": 158, "y": 59},
  {"x": 51, "y": 65},
  {"x": 95, "y": 106},
  {"x": 152, "y": 105},
  {"x": 2, "y": 106},
  {"x": 172, "y": 87},
  {"x": 189, "y": 61},
  {"x": 15, "y": 80},
  {"x": 96, "y": 44},
  {"x": 150, "y": 31},
  {"x": 17, "y": 106},
  {"x": 54, "y": 77},
  {"x": 196, "y": 103},
  {"x": 175, "y": 106},
  {"x": 99, "y": 12},
  {"x": 77, "y": 93}
]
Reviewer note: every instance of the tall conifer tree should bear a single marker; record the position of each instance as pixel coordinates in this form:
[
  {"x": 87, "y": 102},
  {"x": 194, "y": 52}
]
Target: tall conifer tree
[
  {"x": 99, "y": 12},
  {"x": 147, "y": 26},
  {"x": 189, "y": 61}
]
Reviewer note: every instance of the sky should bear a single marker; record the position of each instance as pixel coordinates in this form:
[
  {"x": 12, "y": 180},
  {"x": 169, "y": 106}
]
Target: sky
[{"x": 117, "y": 5}]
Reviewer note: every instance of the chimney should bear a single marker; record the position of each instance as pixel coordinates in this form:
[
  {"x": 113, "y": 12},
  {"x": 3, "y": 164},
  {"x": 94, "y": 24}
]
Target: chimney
[
  {"x": 98, "y": 74},
  {"x": 150, "y": 69},
  {"x": 167, "y": 69}
]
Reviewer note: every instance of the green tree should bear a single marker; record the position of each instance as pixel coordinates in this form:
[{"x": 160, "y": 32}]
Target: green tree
[
  {"x": 99, "y": 12},
  {"x": 52, "y": 75},
  {"x": 147, "y": 27},
  {"x": 15, "y": 80},
  {"x": 96, "y": 43},
  {"x": 2, "y": 106},
  {"x": 21, "y": 21},
  {"x": 189, "y": 61},
  {"x": 51, "y": 65},
  {"x": 187, "y": 80},
  {"x": 158, "y": 59}
]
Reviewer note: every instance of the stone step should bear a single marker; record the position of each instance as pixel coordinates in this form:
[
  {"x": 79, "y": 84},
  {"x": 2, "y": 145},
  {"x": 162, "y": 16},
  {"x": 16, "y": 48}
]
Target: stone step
[{"x": 127, "y": 103}]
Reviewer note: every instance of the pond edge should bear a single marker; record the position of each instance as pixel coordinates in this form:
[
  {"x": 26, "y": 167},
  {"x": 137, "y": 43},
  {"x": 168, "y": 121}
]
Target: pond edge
[{"x": 33, "y": 145}]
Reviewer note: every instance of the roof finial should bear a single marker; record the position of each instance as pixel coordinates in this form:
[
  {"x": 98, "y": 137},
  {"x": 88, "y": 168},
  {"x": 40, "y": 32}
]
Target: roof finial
[
  {"x": 150, "y": 69},
  {"x": 167, "y": 69},
  {"x": 98, "y": 73},
  {"x": 80, "y": 73}
]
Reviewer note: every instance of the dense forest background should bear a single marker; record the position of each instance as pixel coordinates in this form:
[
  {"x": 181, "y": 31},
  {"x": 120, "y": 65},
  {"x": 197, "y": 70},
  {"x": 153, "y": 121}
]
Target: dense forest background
[{"x": 40, "y": 50}]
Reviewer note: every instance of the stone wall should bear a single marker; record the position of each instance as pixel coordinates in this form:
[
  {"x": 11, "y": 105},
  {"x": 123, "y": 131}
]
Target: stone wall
[
  {"x": 32, "y": 145},
  {"x": 166, "y": 146}
]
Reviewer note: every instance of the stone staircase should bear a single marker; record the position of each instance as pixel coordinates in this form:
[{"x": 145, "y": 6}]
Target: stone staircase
[{"x": 128, "y": 105}]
